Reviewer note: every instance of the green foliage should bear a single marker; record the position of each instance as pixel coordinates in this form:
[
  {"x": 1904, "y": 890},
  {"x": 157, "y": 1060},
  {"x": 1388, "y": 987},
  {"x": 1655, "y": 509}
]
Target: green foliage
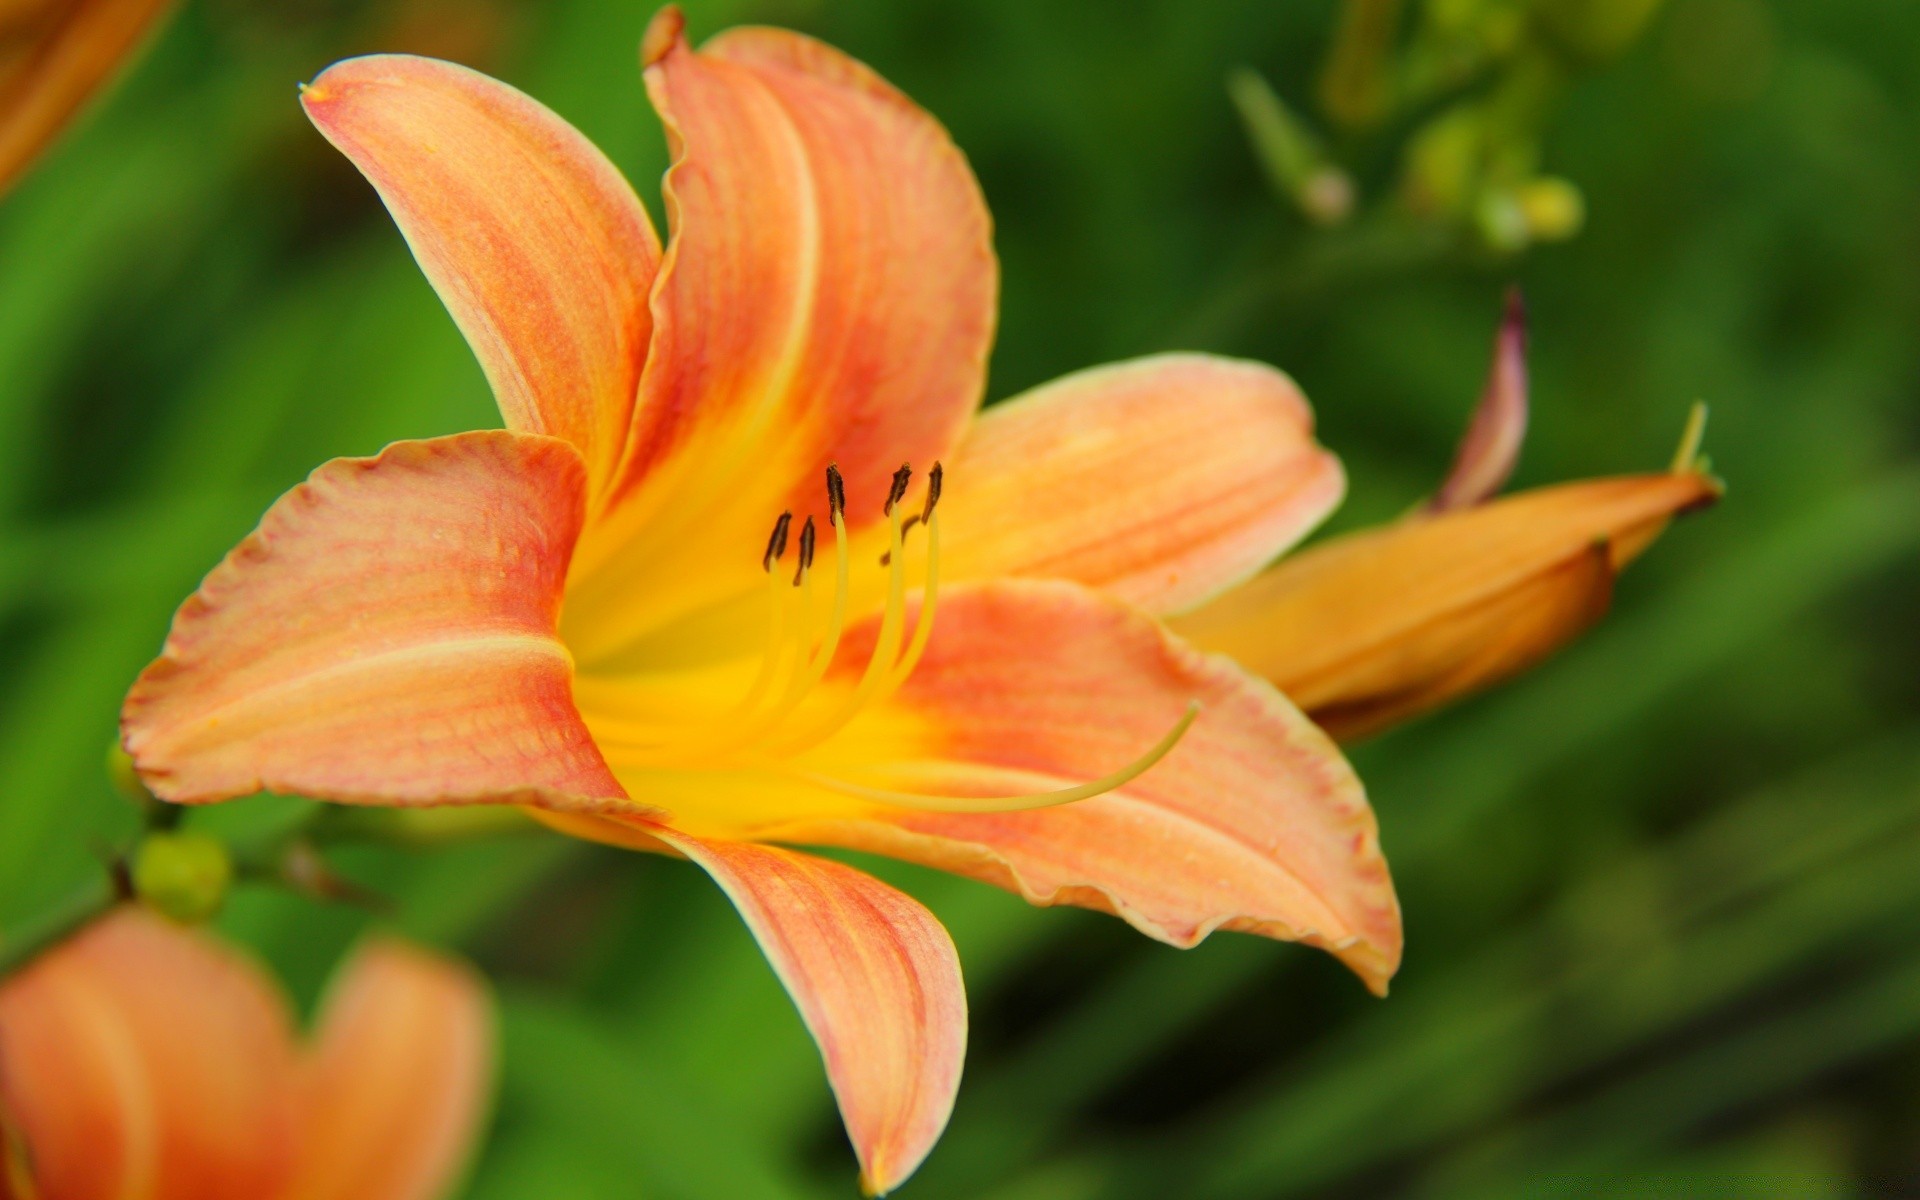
[{"x": 1663, "y": 911}]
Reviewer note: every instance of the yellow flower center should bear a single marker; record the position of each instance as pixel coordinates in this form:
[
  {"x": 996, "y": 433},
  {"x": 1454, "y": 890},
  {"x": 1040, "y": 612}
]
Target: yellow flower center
[{"x": 780, "y": 719}]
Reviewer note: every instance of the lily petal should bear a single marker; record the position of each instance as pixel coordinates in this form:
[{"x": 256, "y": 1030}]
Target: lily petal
[
  {"x": 875, "y": 978},
  {"x": 55, "y": 57},
  {"x": 1370, "y": 629},
  {"x": 386, "y": 636},
  {"x": 139, "y": 1059},
  {"x": 398, "y": 1079},
  {"x": 535, "y": 242},
  {"x": 1163, "y": 480},
  {"x": 1491, "y": 448},
  {"x": 1252, "y": 822},
  {"x": 828, "y": 293}
]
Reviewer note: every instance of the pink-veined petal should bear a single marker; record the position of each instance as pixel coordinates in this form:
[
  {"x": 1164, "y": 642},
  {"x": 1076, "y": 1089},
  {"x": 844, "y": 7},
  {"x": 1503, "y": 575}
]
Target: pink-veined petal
[
  {"x": 536, "y": 244},
  {"x": 828, "y": 295},
  {"x": 397, "y": 1080},
  {"x": 141, "y": 1059},
  {"x": 1161, "y": 480},
  {"x": 875, "y": 978},
  {"x": 386, "y": 637}
]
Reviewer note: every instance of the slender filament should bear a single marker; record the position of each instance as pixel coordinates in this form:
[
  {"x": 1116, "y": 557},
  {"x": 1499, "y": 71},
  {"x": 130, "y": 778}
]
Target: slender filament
[{"x": 1019, "y": 803}]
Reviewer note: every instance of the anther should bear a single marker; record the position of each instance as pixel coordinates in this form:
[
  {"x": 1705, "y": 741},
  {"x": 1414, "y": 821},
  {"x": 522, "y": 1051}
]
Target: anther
[
  {"x": 898, "y": 491},
  {"x": 776, "y": 544},
  {"x": 933, "y": 491},
  {"x": 836, "y": 492},
  {"x": 806, "y": 552}
]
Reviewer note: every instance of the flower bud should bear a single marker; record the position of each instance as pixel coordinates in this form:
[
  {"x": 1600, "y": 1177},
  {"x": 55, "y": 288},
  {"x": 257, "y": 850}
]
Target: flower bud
[
  {"x": 1554, "y": 208},
  {"x": 126, "y": 780},
  {"x": 183, "y": 876}
]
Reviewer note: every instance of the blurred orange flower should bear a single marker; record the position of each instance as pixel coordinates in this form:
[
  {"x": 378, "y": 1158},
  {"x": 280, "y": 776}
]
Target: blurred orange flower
[
  {"x": 54, "y": 55},
  {"x": 143, "y": 1059}
]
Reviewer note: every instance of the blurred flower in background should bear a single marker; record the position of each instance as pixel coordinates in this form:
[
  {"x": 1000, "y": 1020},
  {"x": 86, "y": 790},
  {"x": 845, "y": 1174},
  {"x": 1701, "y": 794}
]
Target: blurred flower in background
[
  {"x": 141, "y": 1058},
  {"x": 54, "y": 55}
]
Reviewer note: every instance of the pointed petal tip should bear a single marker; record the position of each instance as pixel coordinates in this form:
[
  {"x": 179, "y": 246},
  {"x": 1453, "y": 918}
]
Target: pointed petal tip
[
  {"x": 1490, "y": 449},
  {"x": 666, "y": 30},
  {"x": 877, "y": 982},
  {"x": 1514, "y": 322}
]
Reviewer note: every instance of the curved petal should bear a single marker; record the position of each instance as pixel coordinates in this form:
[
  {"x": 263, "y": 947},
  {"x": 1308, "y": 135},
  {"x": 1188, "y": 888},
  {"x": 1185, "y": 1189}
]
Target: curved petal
[
  {"x": 139, "y": 1059},
  {"x": 1253, "y": 822},
  {"x": 827, "y": 295},
  {"x": 875, "y": 978},
  {"x": 398, "y": 1079},
  {"x": 1369, "y": 629},
  {"x": 1162, "y": 480},
  {"x": 385, "y": 637},
  {"x": 57, "y": 55},
  {"x": 536, "y": 244},
  {"x": 1490, "y": 449}
]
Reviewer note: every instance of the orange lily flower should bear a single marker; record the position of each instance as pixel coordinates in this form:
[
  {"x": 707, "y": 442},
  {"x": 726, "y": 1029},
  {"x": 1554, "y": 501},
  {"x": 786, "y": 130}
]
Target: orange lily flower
[
  {"x": 54, "y": 55},
  {"x": 585, "y": 615},
  {"x": 143, "y": 1059},
  {"x": 1370, "y": 629}
]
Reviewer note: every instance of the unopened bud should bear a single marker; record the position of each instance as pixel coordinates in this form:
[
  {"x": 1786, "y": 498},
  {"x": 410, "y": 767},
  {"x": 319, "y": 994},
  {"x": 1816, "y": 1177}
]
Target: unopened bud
[
  {"x": 1501, "y": 221},
  {"x": 1553, "y": 208},
  {"x": 183, "y": 876},
  {"x": 125, "y": 779}
]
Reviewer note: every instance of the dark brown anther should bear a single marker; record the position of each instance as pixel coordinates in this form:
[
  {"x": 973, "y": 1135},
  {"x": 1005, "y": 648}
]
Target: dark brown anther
[
  {"x": 933, "y": 490},
  {"x": 806, "y": 552},
  {"x": 777, "y": 544},
  {"x": 898, "y": 491},
  {"x": 836, "y": 492}
]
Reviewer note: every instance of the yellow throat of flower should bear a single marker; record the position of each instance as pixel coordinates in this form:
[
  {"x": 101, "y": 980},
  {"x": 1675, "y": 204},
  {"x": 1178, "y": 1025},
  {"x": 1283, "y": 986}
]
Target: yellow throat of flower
[{"x": 782, "y": 715}]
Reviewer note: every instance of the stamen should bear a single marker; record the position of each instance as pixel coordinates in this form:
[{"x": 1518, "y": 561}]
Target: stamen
[
  {"x": 923, "y": 623},
  {"x": 886, "y": 645},
  {"x": 898, "y": 490},
  {"x": 886, "y": 557},
  {"x": 776, "y": 544},
  {"x": 806, "y": 552},
  {"x": 836, "y": 492},
  {"x": 934, "y": 479},
  {"x": 990, "y": 804}
]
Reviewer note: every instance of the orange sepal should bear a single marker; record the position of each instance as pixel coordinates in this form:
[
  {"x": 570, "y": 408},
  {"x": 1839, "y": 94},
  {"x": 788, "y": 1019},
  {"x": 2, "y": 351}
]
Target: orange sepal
[
  {"x": 1162, "y": 480},
  {"x": 387, "y": 636},
  {"x": 140, "y": 1059},
  {"x": 535, "y": 242},
  {"x": 828, "y": 292},
  {"x": 1367, "y": 630},
  {"x": 875, "y": 978},
  {"x": 396, "y": 1083},
  {"x": 1252, "y": 822}
]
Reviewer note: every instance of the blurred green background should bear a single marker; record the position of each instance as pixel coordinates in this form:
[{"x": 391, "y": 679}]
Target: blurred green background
[{"x": 1663, "y": 895}]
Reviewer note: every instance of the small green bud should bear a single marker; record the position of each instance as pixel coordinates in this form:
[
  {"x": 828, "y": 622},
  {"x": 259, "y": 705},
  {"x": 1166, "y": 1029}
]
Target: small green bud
[
  {"x": 183, "y": 876},
  {"x": 1554, "y": 208},
  {"x": 1501, "y": 221},
  {"x": 1597, "y": 30},
  {"x": 125, "y": 779}
]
